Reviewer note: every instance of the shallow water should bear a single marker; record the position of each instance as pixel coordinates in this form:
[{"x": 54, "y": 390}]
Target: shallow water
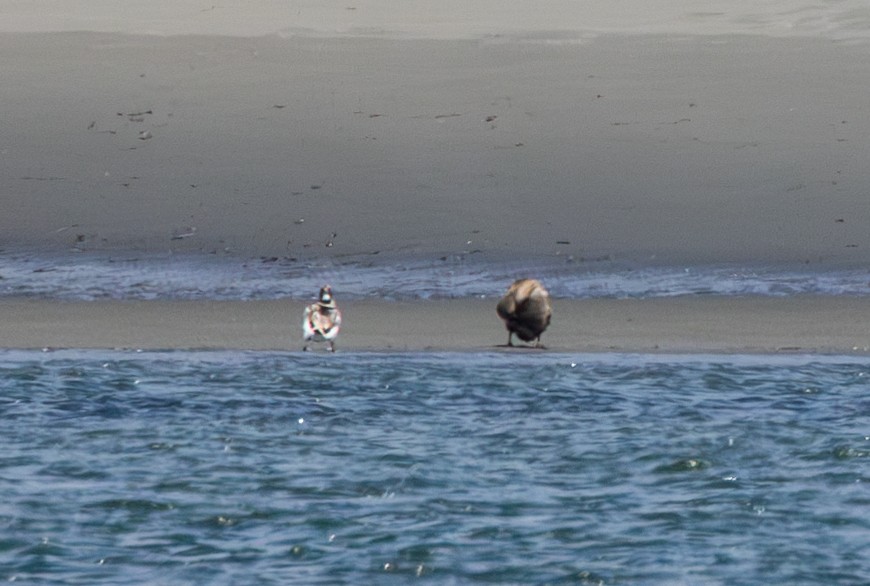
[
  {"x": 275, "y": 468},
  {"x": 96, "y": 275}
]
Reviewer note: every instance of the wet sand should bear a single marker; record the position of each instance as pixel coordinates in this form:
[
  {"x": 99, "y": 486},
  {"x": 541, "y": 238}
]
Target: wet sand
[
  {"x": 668, "y": 135},
  {"x": 830, "y": 325}
]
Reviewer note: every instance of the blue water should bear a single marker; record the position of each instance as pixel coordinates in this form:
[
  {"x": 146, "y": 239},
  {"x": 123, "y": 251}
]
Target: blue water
[
  {"x": 101, "y": 275},
  {"x": 277, "y": 468}
]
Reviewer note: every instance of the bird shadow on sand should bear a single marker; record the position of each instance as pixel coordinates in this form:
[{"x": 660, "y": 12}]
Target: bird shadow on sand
[{"x": 522, "y": 347}]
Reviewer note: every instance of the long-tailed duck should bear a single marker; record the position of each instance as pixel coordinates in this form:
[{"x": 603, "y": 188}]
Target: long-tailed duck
[
  {"x": 526, "y": 311},
  {"x": 322, "y": 320}
]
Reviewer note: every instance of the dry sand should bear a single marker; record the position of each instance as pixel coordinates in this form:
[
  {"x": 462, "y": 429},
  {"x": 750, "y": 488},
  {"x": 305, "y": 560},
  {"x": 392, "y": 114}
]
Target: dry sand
[
  {"x": 838, "y": 325},
  {"x": 442, "y": 19},
  {"x": 648, "y": 131}
]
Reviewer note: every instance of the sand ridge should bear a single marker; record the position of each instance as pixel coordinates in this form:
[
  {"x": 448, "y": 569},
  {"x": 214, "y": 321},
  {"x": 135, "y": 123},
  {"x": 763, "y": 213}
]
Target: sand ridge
[{"x": 705, "y": 324}]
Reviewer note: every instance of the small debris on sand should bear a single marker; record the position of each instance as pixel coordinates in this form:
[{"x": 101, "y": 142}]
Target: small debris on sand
[{"x": 182, "y": 233}]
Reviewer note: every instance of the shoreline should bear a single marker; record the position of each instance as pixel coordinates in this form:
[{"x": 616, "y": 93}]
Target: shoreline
[{"x": 682, "y": 325}]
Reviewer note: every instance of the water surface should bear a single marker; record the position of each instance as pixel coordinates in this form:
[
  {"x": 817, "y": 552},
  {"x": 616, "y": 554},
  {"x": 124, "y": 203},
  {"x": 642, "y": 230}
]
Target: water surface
[
  {"x": 100, "y": 275},
  {"x": 275, "y": 468}
]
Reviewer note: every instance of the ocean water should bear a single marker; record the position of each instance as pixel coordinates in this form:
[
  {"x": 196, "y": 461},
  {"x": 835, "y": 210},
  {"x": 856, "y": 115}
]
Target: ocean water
[
  {"x": 368, "y": 468},
  {"x": 101, "y": 275}
]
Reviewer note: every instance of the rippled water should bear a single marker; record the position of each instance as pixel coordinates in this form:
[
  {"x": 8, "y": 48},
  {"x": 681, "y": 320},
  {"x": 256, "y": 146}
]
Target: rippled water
[
  {"x": 276, "y": 468},
  {"x": 95, "y": 275}
]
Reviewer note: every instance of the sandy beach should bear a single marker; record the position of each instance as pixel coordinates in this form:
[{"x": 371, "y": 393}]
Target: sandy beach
[
  {"x": 647, "y": 133},
  {"x": 734, "y": 134},
  {"x": 827, "y": 325}
]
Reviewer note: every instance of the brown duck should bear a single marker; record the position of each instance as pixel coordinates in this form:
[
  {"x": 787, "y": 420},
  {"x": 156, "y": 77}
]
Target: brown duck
[{"x": 526, "y": 311}]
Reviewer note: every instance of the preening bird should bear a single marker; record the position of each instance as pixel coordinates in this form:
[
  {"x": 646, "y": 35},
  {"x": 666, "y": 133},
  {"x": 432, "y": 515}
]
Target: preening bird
[
  {"x": 526, "y": 311},
  {"x": 322, "y": 320}
]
